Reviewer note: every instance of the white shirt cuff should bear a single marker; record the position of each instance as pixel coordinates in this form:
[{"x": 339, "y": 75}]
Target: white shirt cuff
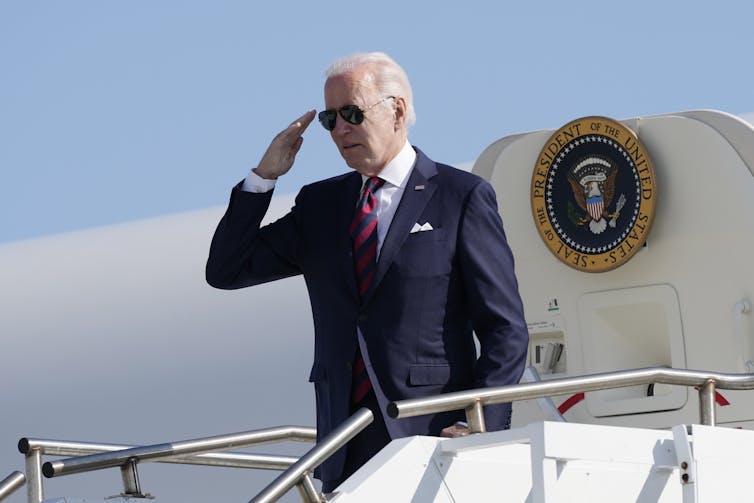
[{"x": 257, "y": 184}]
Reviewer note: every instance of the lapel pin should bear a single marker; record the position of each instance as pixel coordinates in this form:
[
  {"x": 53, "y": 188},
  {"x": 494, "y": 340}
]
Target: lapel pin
[{"x": 419, "y": 187}]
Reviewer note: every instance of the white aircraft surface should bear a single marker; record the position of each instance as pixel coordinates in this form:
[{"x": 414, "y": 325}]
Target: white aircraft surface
[{"x": 112, "y": 335}]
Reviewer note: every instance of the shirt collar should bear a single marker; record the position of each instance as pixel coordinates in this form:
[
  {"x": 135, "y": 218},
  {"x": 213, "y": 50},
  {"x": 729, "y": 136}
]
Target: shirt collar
[{"x": 397, "y": 170}]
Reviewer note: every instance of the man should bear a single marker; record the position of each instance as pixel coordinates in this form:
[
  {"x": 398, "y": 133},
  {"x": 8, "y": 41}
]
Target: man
[{"x": 402, "y": 258}]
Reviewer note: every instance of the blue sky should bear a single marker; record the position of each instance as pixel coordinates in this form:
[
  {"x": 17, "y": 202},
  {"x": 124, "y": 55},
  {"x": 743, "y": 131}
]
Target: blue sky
[{"x": 112, "y": 111}]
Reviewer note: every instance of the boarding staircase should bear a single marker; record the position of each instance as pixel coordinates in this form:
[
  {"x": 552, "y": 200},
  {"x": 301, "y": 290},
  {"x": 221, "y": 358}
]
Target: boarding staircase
[{"x": 543, "y": 462}]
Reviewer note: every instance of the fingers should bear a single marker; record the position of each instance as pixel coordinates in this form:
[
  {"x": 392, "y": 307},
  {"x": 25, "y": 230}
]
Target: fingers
[
  {"x": 306, "y": 119},
  {"x": 281, "y": 153},
  {"x": 298, "y": 126},
  {"x": 454, "y": 431},
  {"x": 295, "y": 130}
]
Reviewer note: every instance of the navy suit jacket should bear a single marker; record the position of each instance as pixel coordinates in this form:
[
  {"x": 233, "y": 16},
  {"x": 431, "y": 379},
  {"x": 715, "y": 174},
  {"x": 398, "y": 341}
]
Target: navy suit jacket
[{"x": 431, "y": 289}]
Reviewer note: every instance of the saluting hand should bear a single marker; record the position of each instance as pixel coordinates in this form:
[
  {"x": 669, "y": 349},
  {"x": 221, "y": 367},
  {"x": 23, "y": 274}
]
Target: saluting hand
[{"x": 281, "y": 153}]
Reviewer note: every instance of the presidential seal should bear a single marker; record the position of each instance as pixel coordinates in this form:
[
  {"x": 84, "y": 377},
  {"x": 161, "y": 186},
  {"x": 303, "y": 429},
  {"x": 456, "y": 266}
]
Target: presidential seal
[{"x": 593, "y": 194}]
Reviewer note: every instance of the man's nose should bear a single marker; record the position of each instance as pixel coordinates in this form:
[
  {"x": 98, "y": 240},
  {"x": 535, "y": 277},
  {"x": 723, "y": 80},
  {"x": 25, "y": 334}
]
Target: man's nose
[{"x": 342, "y": 126}]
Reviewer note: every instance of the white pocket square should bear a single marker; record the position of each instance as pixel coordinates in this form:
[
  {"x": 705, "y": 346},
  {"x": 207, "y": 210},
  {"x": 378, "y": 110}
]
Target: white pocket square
[{"x": 421, "y": 228}]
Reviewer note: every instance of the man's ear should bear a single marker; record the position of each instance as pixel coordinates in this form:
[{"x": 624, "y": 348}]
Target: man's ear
[{"x": 400, "y": 112}]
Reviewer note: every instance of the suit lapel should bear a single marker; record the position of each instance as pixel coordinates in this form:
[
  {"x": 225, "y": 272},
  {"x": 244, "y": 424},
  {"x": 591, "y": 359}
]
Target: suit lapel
[{"x": 409, "y": 210}]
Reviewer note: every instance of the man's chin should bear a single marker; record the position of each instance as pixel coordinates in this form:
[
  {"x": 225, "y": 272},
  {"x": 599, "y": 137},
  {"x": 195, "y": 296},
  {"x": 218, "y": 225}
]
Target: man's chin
[
  {"x": 363, "y": 166},
  {"x": 356, "y": 163},
  {"x": 367, "y": 171}
]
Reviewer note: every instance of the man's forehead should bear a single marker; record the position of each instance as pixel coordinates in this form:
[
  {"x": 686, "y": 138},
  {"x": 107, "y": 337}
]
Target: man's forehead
[{"x": 354, "y": 85}]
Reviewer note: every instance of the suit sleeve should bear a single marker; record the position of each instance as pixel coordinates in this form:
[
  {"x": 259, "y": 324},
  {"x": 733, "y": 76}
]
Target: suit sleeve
[
  {"x": 243, "y": 254},
  {"x": 495, "y": 307}
]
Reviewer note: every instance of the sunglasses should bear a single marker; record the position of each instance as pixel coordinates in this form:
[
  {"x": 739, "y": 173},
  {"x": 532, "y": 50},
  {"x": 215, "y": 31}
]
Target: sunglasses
[{"x": 350, "y": 113}]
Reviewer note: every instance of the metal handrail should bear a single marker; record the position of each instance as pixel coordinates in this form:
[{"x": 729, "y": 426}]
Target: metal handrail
[
  {"x": 298, "y": 473},
  {"x": 33, "y": 449},
  {"x": 177, "y": 451},
  {"x": 221, "y": 459},
  {"x": 473, "y": 400},
  {"x": 324, "y": 449},
  {"x": 11, "y": 484}
]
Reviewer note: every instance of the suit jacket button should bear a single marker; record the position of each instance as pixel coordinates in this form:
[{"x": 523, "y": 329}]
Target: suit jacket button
[{"x": 362, "y": 317}]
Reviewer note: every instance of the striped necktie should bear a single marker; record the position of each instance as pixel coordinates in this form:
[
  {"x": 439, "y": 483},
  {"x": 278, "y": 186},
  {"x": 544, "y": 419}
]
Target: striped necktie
[{"x": 364, "y": 233}]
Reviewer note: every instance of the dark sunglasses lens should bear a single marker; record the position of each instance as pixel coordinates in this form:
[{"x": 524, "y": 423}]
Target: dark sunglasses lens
[
  {"x": 352, "y": 114},
  {"x": 327, "y": 119}
]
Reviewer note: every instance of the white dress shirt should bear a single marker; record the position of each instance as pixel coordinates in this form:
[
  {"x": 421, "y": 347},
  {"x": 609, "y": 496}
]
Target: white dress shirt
[{"x": 395, "y": 174}]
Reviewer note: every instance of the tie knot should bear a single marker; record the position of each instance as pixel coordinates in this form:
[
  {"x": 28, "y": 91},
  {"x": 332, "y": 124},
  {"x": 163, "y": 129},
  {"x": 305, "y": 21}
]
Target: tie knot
[{"x": 373, "y": 183}]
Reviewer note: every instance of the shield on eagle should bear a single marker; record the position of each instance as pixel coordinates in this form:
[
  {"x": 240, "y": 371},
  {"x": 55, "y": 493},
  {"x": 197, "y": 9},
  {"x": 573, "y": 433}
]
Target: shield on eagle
[
  {"x": 595, "y": 206},
  {"x": 592, "y": 181}
]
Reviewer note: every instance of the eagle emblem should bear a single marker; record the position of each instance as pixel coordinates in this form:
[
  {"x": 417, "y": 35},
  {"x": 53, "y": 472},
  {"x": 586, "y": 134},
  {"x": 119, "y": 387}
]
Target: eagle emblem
[
  {"x": 593, "y": 194},
  {"x": 592, "y": 181}
]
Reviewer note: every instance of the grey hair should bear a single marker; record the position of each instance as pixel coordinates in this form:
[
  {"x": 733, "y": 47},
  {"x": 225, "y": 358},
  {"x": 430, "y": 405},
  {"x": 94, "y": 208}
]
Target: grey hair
[{"x": 389, "y": 77}]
